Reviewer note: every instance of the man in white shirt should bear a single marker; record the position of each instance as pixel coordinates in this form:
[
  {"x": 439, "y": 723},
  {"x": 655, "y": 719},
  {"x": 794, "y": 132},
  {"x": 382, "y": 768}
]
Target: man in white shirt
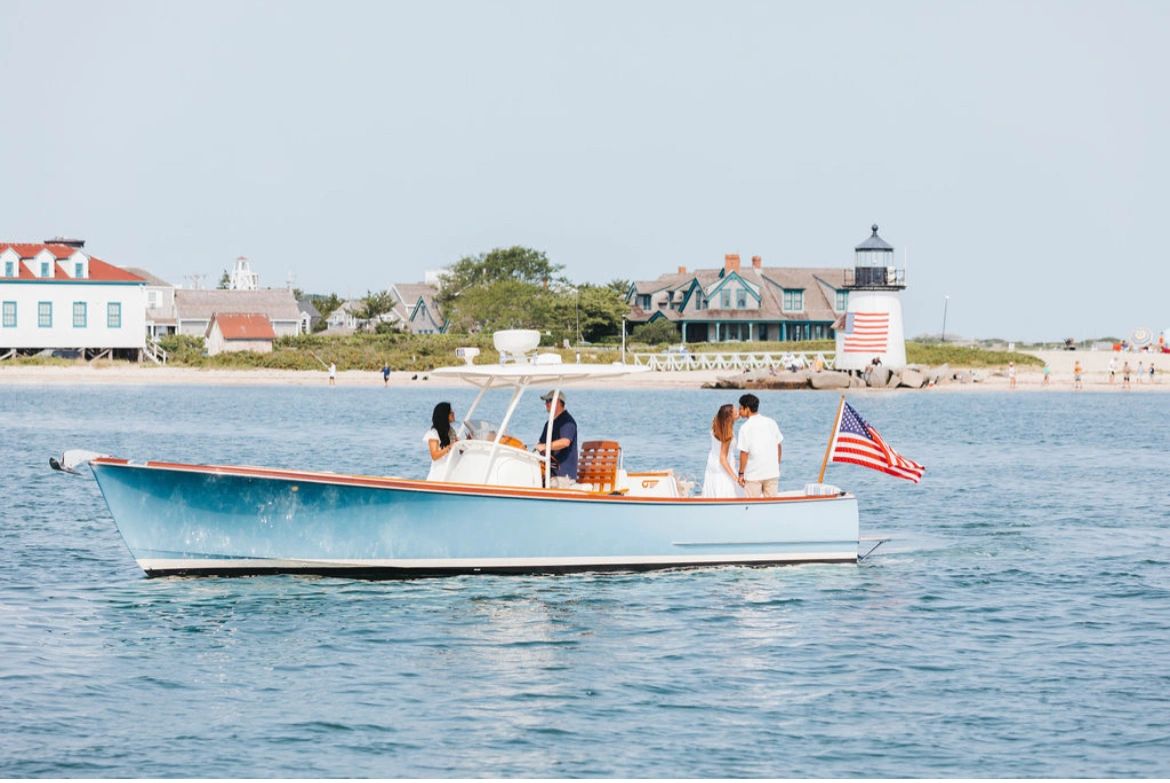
[{"x": 759, "y": 438}]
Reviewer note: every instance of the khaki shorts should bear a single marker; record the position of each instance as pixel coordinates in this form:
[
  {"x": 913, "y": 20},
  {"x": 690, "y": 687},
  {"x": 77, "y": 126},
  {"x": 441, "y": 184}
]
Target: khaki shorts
[
  {"x": 562, "y": 482},
  {"x": 767, "y": 488}
]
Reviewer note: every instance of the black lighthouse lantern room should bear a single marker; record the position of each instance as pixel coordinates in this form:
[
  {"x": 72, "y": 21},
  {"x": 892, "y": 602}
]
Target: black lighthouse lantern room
[{"x": 874, "y": 265}]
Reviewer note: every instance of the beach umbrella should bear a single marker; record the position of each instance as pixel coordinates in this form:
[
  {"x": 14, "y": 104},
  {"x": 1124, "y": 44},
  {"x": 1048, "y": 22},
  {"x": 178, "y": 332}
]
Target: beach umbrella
[{"x": 1141, "y": 336}]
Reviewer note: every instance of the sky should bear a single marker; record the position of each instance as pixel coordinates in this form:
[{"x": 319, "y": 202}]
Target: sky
[{"x": 1016, "y": 154}]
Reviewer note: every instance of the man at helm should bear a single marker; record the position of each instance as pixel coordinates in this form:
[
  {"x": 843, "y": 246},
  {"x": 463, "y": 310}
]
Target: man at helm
[{"x": 563, "y": 443}]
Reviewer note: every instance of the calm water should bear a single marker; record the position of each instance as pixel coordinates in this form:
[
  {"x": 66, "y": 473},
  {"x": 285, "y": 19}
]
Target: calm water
[{"x": 1019, "y": 624}]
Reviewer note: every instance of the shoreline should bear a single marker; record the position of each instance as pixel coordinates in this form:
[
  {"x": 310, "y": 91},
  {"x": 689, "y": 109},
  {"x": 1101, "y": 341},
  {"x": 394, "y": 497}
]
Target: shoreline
[{"x": 1028, "y": 380}]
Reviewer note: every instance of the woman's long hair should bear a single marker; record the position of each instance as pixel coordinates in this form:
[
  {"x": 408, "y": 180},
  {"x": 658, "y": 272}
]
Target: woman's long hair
[
  {"x": 441, "y": 421},
  {"x": 723, "y": 425}
]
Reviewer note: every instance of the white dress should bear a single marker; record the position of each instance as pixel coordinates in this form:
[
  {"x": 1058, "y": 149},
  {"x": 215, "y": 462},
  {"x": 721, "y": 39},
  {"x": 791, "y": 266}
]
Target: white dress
[
  {"x": 438, "y": 466},
  {"x": 716, "y": 481}
]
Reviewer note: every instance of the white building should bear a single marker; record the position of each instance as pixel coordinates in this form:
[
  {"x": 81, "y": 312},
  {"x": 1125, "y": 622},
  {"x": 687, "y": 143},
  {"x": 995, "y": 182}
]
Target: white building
[
  {"x": 872, "y": 327},
  {"x": 195, "y": 307},
  {"x": 160, "y": 304},
  {"x": 55, "y": 296},
  {"x": 239, "y": 332},
  {"x": 242, "y": 277}
]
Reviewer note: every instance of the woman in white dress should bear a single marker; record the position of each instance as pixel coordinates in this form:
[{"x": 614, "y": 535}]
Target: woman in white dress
[
  {"x": 720, "y": 480},
  {"x": 440, "y": 439}
]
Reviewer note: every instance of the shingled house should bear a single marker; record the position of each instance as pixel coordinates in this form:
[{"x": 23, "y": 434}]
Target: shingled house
[
  {"x": 415, "y": 309},
  {"x": 737, "y": 303}
]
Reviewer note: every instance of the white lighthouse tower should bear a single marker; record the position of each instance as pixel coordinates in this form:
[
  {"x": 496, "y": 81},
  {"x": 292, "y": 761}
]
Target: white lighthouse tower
[{"x": 872, "y": 324}]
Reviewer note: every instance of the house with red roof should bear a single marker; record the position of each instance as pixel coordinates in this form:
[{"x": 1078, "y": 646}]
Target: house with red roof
[
  {"x": 239, "y": 332},
  {"x": 55, "y": 296}
]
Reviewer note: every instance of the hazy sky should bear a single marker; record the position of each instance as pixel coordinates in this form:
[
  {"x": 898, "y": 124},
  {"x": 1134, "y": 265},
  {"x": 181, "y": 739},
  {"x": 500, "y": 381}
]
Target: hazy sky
[{"x": 1019, "y": 151}]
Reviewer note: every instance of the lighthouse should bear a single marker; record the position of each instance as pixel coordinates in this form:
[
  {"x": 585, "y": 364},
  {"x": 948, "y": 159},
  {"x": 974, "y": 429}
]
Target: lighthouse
[{"x": 872, "y": 324}]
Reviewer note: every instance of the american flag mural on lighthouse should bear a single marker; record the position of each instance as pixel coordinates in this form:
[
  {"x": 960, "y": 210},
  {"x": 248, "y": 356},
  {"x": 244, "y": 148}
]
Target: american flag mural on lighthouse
[{"x": 866, "y": 332}]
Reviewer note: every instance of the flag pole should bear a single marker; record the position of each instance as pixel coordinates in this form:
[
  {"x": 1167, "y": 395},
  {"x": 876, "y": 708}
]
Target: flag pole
[{"x": 832, "y": 439}]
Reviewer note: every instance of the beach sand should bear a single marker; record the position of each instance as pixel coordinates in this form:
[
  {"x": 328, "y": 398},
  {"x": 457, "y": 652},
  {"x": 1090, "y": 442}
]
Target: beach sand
[{"x": 1028, "y": 379}]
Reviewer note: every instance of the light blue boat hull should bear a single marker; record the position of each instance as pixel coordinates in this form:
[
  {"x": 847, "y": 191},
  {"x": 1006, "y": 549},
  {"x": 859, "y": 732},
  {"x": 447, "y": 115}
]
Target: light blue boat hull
[{"x": 188, "y": 519}]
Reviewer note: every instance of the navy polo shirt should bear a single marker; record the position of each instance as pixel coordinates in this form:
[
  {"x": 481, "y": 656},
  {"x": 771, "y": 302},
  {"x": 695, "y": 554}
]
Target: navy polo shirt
[{"x": 564, "y": 426}]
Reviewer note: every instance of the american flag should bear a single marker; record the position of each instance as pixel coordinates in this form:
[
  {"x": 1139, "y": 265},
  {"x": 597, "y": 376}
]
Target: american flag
[
  {"x": 866, "y": 332},
  {"x": 859, "y": 444}
]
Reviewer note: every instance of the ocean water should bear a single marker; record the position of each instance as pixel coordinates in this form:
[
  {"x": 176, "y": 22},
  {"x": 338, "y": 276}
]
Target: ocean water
[{"x": 1017, "y": 625}]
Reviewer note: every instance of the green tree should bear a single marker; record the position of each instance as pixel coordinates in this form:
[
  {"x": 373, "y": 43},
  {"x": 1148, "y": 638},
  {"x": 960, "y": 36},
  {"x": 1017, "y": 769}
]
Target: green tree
[
  {"x": 325, "y": 304},
  {"x": 598, "y": 310},
  {"x": 504, "y": 304},
  {"x": 621, "y": 286},
  {"x": 225, "y": 280},
  {"x": 516, "y": 264},
  {"x": 372, "y": 307},
  {"x": 655, "y": 332}
]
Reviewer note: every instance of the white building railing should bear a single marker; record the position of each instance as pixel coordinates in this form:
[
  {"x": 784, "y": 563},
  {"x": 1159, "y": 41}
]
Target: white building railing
[{"x": 738, "y": 360}]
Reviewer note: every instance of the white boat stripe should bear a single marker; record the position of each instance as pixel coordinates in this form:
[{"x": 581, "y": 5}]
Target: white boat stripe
[{"x": 171, "y": 564}]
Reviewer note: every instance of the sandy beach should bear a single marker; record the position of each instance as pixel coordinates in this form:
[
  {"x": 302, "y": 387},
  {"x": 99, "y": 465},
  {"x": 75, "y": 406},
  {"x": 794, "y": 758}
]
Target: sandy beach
[{"x": 1028, "y": 379}]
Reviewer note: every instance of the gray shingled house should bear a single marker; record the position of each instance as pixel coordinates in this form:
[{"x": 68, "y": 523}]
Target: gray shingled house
[
  {"x": 194, "y": 308},
  {"x": 734, "y": 303}
]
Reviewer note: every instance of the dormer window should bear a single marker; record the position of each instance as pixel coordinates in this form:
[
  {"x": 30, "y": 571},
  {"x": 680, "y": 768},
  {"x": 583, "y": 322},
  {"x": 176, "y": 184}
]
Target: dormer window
[
  {"x": 741, "y": 299},
  {"x": 10, "y": 269},
  {"x": 45, "y": 269},
  {"x": 725, "y": 299},
  {"x": 842, "y": 301},
  {"x": 79, "y": 270},
  {"x": 793, "y": 300}
]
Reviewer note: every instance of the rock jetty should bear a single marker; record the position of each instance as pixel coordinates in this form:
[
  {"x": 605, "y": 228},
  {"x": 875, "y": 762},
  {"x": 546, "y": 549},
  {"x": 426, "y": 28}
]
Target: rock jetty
[{"x": 911, "y": 377}]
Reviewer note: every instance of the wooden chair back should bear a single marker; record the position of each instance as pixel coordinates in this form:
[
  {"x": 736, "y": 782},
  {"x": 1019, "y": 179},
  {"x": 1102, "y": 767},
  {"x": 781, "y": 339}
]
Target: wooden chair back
[{"x": 598, "y": 464}]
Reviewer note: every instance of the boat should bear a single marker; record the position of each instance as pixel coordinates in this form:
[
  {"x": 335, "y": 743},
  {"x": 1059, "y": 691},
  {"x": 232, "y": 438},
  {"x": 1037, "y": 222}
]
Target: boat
[{"x": 489, "y": 512}]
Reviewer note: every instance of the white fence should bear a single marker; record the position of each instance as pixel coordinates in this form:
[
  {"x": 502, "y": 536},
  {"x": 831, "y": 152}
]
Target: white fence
[{"x": 718, "y": 360}]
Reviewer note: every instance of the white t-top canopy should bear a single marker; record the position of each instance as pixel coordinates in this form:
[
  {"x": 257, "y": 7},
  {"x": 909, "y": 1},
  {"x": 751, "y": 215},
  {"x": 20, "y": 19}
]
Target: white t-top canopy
[{"x": 530, "y": 374}]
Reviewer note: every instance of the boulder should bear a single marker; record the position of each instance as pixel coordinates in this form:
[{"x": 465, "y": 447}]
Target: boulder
[
  {"x": 940, "y": 375},
  {"x": 912, "y": 379},
  {"x": 894, "y": 381},
  {"x": 879, "y": 377},
  {"x": 964, "y": 376},
  {"x": 829, "y": 380},
  {"x": 856, "y": 382},
  {"x": 781, "y": 380}
]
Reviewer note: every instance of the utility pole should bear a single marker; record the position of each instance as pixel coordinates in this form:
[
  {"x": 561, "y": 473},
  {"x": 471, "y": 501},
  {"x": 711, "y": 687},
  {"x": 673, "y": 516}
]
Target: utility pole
[{"x": 946, "y": 301}]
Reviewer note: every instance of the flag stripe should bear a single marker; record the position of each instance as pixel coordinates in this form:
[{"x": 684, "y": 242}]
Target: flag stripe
[{"x": 858, "y": 443}]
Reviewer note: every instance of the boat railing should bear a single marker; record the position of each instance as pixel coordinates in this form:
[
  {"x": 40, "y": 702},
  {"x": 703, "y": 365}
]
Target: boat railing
[{"x": 731, "y": 360}]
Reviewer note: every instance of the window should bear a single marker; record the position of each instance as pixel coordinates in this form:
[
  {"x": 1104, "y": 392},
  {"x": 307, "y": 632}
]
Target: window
[
  {"x": 79, "y": 315},
  {"x": 741, "y": 299},
  {"x": 725, "y": 299},
  {"x": 9, "y": 315},
  {"x": 10, "y": 269},
  {"x": 793, "y": 300},
  {"x": 154, "y": 298},
  {"x": 78, "y": 269},
  {"x": 644, "y": 301},
  {"x": 114, "y": 315},
  {"x": 842, "y": 301},
  {"x": 44, "y": 269},
  {"x": 45, "y": 315}
]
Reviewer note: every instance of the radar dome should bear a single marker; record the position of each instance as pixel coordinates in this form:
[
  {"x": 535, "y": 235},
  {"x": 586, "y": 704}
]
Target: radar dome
[{"x": 516, "y": 341}]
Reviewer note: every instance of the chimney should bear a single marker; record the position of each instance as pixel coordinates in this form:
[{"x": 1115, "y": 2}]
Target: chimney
[
  {"x": 682, "y": 270},
  {"x": 757, "y": 262},
  {"x": 75, "y": 243},
  {"x": 731, "y": 262}
]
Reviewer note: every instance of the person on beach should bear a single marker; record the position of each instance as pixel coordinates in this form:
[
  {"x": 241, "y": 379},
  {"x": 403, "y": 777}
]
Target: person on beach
[
  {"x": 1141, "y": 372},
  {"x": 440, "y": 439},
  {"x": 759, "y": 439},
  {"x": 720, "y": 479},
  {"x": 1151, "y": 371},
  {"x": 385, "y": 373},
  {"x": 563, "y": 443},
  {"x": 332, "y": 374},
  {"x": 1047, "y": 374},
  {"x": 1125, "y": 373},
  {"x": 1078, "y": 375},
  {"x": 1011, "y": 375},
  {"x": 1112, "y": 369}
]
